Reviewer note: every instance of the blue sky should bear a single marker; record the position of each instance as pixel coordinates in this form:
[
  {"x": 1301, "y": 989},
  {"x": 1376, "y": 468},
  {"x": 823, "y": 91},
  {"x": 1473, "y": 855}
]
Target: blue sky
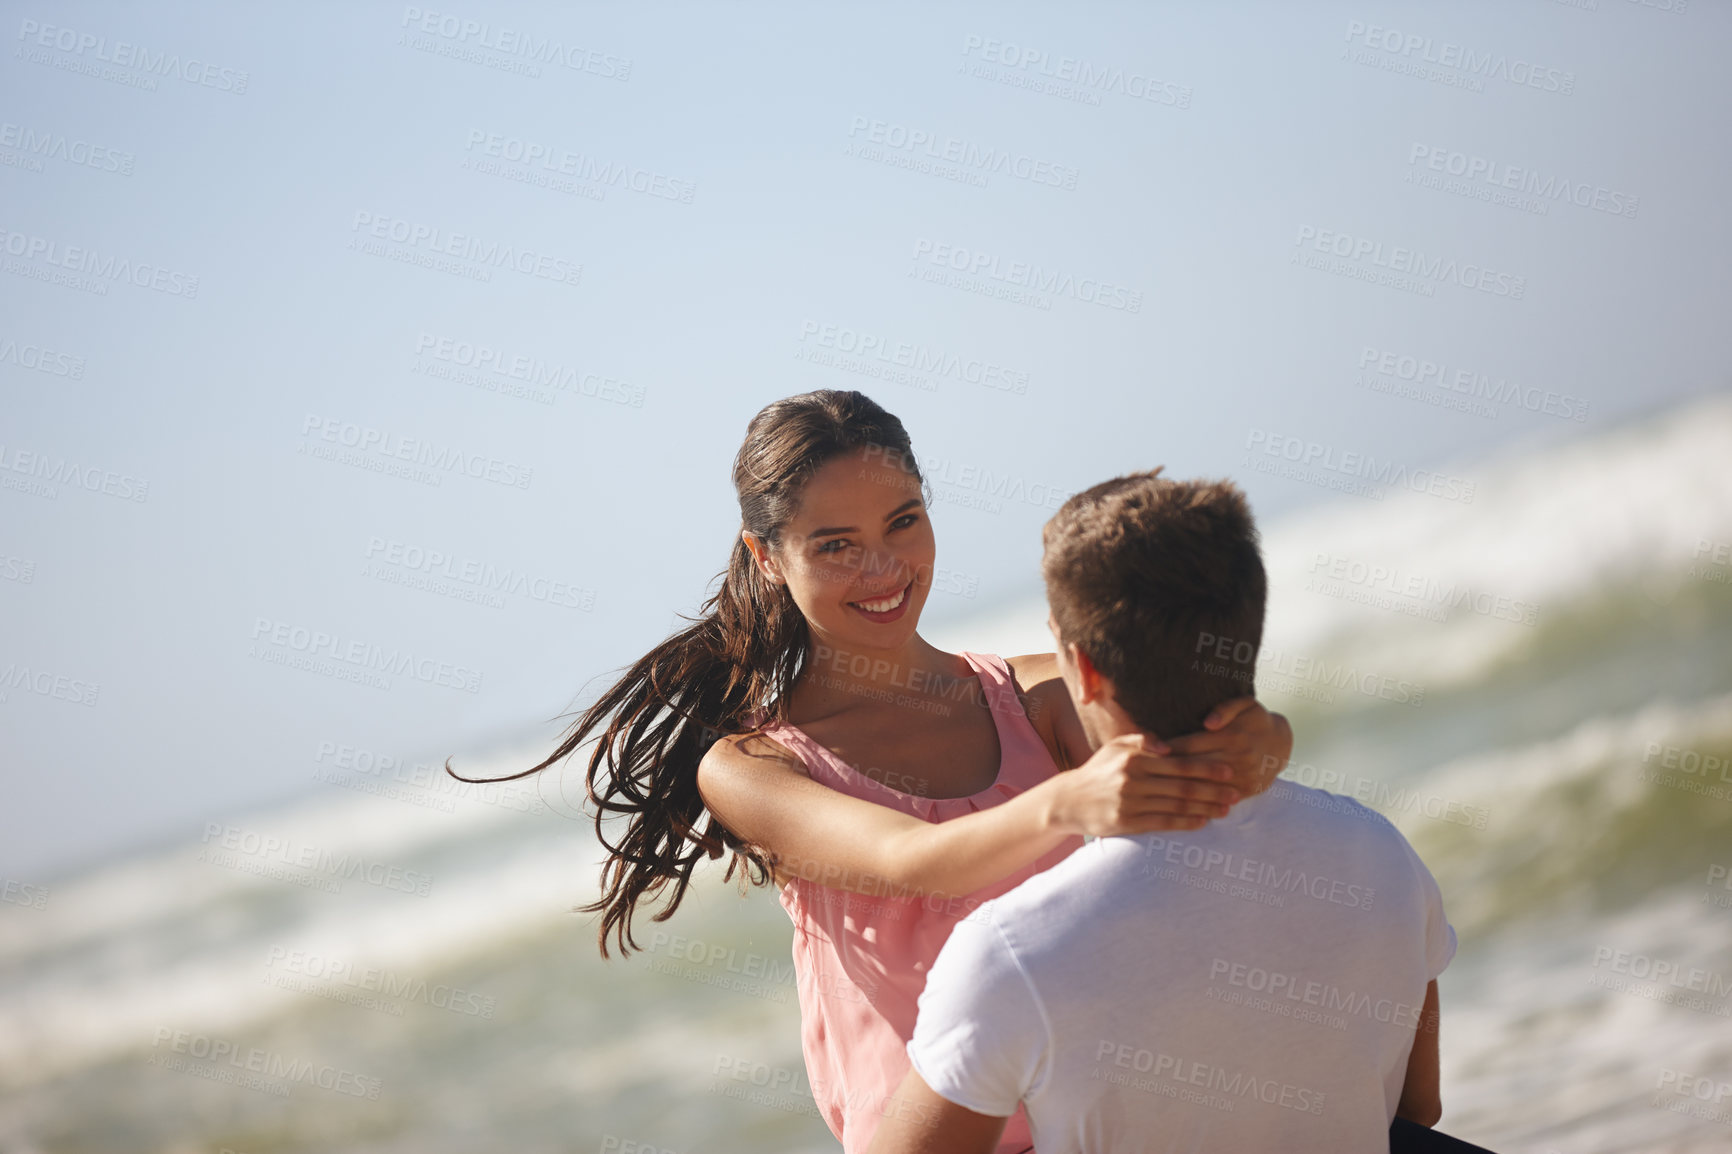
[{"x": 1330, "y": 220}]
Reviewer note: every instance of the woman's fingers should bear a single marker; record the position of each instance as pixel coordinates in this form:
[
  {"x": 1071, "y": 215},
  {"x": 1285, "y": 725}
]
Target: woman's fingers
[
  {"x": 1162, "y": 823},
  {"x": 1222, "y": 741},
  {"x": 1224, "y": 713},
  {"x": 1216, "y": 768},
  {"x": 1179, "y": 789}
]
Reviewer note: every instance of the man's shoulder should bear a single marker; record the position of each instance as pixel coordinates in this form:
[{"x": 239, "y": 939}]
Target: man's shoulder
[
  {"x": 1349, "y": 815},
  {"x": 1051, "y": 903},
  {"x": 1346, "y": 830}
]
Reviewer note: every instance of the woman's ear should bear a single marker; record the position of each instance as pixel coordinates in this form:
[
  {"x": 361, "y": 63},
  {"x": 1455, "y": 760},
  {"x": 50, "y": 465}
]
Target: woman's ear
[{"x": 762, "y": 557}]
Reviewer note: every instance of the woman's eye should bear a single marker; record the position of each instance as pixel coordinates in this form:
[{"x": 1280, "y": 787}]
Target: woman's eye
[
  {"x": 905, "y": 520},
  {"x": 833, "y": 546}
]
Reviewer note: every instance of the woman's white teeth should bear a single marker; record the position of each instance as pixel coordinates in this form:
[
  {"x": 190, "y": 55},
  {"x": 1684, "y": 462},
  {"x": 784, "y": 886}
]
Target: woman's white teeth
[{"x": 885, "y": 605}]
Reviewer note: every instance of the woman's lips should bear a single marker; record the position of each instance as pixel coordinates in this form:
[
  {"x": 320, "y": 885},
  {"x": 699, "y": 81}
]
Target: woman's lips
[{"x": 898, "y": 603}]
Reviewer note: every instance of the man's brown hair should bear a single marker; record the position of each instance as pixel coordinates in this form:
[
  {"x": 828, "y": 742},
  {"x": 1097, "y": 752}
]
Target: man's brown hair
[{"x": 1161, "y": 583}]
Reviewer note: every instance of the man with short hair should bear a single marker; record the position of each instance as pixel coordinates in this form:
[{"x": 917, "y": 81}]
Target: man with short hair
[{"x": 1264, "y": 983}]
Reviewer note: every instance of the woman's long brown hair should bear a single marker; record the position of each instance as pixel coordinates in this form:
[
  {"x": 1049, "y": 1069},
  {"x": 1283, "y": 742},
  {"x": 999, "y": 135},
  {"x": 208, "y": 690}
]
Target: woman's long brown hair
[{"x": 741, "y": 654}]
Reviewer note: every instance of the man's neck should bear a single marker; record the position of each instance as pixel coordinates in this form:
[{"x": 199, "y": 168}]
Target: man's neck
[{"x": 1103, "y": 720}]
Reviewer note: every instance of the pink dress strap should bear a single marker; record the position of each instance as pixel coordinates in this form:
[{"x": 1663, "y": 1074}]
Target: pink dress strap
[{"x": 861, "y": 960}]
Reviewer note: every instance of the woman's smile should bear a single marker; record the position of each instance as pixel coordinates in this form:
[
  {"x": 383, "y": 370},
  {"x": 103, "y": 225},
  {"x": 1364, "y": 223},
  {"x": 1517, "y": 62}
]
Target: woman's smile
[{"x": 884, "y": 609}]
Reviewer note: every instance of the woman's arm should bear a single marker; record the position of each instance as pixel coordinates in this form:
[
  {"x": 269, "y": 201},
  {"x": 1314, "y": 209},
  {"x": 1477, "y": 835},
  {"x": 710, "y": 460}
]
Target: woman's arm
[
  {"x": 759, "y": 791},
  {"x": 1239, "y": 734}
]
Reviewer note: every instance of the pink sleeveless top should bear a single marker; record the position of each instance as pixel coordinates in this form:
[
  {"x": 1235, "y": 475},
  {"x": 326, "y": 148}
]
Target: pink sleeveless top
[{"x": 860, "y": 961}]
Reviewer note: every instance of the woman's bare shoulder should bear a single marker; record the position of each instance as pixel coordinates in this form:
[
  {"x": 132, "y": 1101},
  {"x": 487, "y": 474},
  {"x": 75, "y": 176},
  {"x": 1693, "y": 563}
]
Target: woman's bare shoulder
[
  {"x": 744, "y": 755},
  {"x": 1034, "y": 669},
  {"x": 1050, "y": 707}
]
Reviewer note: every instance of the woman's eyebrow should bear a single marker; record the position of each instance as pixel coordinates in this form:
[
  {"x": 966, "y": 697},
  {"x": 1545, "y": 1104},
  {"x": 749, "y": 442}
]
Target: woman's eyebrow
[
  {"x": 834, "y": 530},
  {"x": 831, "y": 532}
]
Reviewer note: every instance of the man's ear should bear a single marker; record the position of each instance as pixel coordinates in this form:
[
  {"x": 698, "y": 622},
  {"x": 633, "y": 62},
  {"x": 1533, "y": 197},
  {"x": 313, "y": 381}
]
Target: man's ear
[
  {"x": 762, "y": 557},
  {"x": 1089, "y": 679}
]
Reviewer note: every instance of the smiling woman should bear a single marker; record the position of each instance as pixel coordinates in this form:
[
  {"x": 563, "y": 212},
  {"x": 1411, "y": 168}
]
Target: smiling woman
[{"x": 886, "y": 786}]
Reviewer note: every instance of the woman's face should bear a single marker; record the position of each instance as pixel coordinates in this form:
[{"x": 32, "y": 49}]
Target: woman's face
[{"x": 858, "y": 555}]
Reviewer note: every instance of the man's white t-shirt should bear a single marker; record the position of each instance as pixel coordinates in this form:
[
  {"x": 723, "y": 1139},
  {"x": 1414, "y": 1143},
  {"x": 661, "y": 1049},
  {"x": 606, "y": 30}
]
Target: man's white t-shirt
[{"x": 1254, "y": 985}]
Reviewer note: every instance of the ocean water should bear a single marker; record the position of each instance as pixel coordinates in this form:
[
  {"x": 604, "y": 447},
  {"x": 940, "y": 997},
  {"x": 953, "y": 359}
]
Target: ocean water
[{"x": 1536, "y": 686}]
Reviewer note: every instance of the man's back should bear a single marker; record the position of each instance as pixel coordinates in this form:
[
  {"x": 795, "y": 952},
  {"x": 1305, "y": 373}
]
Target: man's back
[{"x": 1253, "y": 985}]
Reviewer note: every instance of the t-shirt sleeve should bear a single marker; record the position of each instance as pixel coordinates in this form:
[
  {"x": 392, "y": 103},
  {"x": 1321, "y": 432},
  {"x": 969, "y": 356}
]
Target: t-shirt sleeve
[
  {"x": 981, "y": 1037},
  {"x": 1439, "y": 934}
]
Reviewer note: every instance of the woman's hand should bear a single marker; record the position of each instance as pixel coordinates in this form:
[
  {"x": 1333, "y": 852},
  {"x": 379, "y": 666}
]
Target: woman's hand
[
  {"x": 1129, "y": 786},
  {"x": 1241, "y": 735}
]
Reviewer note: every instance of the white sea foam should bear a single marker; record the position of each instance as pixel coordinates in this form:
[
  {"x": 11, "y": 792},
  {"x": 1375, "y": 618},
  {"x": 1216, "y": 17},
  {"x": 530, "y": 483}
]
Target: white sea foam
[
  {"x": 117, "y": 954},
  {"x": 1546, "y": 528}
]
